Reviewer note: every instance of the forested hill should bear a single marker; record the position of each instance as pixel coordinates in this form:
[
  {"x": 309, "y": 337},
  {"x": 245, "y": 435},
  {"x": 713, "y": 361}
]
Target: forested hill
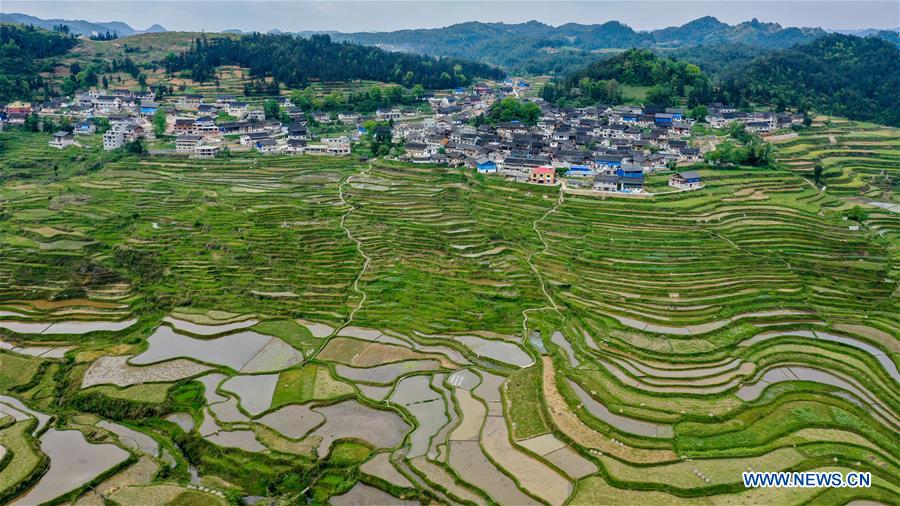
[
  {"x": 601, "y": 82},
  {"x": 841, "y": 75},
  {"x": 295, "y": 61},
  {"x": 534, "y": 46},
  {"x": 21, "y": 50}
]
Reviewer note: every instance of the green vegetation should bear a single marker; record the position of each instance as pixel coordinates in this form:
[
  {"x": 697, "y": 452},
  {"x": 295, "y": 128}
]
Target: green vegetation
[
  {"x": 295, "y": 61},
  {"x": 855, "y": 158},
  {"x": 672, "y": 310},
  {"x": 741, "y": 148},
  {"x": 290, "y": 332},
  {"x": 16, "y": 371},
  {"x": 25, "y": 465},
  {"x": 538, "y": 48},
  {"x": 23, "y": 54},
  {"x": 511, "y": 109},
  {"x": 347, "y": 453},
  {"x": 668, "y": 81},
  {"x": 842, "y": 75},
  {"x": 310, "y": 382},
  {"x": 526, "y": 411}
]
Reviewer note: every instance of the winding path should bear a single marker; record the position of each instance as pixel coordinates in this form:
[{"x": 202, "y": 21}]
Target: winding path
[
  {"x": 534, "y": 269},
  {"x": 367, "y": 259}
]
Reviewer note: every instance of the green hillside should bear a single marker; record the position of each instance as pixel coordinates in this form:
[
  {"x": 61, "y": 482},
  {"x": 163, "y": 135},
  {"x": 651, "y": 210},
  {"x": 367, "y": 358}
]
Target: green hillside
[{"x": 329, "y": 329}]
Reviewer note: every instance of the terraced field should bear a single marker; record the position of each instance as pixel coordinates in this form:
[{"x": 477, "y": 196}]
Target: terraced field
[
  {"x": 335, "y": 330},
  {"x": 858, "y": 159}
]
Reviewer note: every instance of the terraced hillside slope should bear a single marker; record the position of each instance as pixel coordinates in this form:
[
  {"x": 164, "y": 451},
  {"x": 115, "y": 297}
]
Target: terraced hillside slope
[
  {"x": 857, "y": 159},
  {"x": 329, "y": 329}
]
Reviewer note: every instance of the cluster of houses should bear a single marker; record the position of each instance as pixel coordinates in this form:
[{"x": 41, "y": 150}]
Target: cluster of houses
[
  {"x": 606, "y": 148},
  {"x": 127, "y": 112},
  {"x": 757, "y": 122},
  {"x": 191, "y": 118}
]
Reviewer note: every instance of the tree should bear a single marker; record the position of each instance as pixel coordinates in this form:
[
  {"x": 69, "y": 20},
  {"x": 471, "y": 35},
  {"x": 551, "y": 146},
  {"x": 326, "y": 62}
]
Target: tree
[
  {"x": 293, "y": 60},
  {"x": 661, "y": 95},
  {"x": 135, "y": 147},
  {"x": 699, "y": 113},
  {"x": 817, "y": 173},
  {"x": 159, "y": 122},
  {"x": 271, "y": 109},
  {"x": 105, "y": 83},
  {"x": 857, "y": 214},
  {"x": 512, "y": 109}
]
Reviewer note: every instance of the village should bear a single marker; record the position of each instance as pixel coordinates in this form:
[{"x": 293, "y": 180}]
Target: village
[{"x": 599, "y": 149}]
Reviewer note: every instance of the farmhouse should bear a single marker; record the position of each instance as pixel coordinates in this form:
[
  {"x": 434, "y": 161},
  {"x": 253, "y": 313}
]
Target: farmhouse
[
  {"x": 606, "y": 182},
  {"x": 295, "y": 147},
  {"x": 189, "y": 102},
  {"x": 62, "y": 139},
  {"x": 685, "y": 180},
  {"x": 84, "y": 128},
  {"x": 485, "y": 166},
  {"x": 542, "y": 175},
  {"x": 252, "y": 137},
  {"x": 387, "y": 114},
  {"x": 204, "y": 150},
  {"x": 186, "y": 143},
  {"x": 185, "y": 126},
  {"x": 148, "y": 108},
  {"x": 267, "y": 145}
]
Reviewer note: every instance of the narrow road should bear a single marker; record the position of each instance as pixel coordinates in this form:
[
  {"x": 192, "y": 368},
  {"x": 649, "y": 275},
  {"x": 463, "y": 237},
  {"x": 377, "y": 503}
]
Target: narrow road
[
  {"x": 367, "y": 259},
  {"x": 534, "y": 269}
]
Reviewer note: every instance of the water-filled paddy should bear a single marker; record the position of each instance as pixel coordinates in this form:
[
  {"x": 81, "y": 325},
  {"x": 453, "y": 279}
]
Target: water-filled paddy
[
  {"x": 622, "y": 423},
  {"x": 73, "y": 462},
  {"x": 366, "y": 495},
  {"x": 131, "y": 438},
  {"x": 427, "y": 407},
  {"x": 387, "y": 373},
  {"x": 115, "y": 370},
  {"x": 293, "y": 421},
  {"x": 233, "y": 350},
  {"x": 208, "y": 330},
  {"x": 383, "y": 429},
  {"x": 501, "y": 351},
  {"x": 243, "y": 439},
  {"x": 255, "y": 391}
]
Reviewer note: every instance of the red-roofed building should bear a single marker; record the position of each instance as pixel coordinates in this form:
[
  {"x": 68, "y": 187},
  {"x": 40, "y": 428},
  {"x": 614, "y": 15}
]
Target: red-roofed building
[
  {"x": 542, "y": 175},
  {"x": 18, "y": 108}
]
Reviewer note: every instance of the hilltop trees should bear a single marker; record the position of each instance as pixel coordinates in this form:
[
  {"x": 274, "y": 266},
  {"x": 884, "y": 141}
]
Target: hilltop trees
[
  {"x": 601, "y": 82},
  {"x": 511, "y": 109},
  {"x": 742, "y": 148},
  {"x": 294, "y": 61},
  {"x": 843, "y": 75},
  {"x": 21, "y": 49}
]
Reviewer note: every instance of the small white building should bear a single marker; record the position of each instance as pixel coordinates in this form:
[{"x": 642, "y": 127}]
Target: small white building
[
  {"x": 62, "y": 139},
  {"x": 204, "y": 150},
  {"x": 687, "y": 180},
  {"x": 186, "y": 143},
  {"x": 387, "y": 114}
]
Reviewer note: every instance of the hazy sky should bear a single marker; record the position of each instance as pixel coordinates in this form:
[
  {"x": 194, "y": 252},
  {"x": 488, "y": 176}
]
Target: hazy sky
[{"x": 376, "y": 15}]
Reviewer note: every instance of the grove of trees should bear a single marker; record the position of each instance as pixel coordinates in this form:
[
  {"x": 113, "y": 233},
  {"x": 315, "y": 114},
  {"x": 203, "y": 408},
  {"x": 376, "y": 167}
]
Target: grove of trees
[{"x": 295, "y": 61}]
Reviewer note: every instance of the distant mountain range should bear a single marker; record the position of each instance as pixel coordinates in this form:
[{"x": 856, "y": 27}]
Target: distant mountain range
[
  {"x": 538, "y": 48},
  {"x": 517, "y": 46},
  {"x": 79, "y": 27}
]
